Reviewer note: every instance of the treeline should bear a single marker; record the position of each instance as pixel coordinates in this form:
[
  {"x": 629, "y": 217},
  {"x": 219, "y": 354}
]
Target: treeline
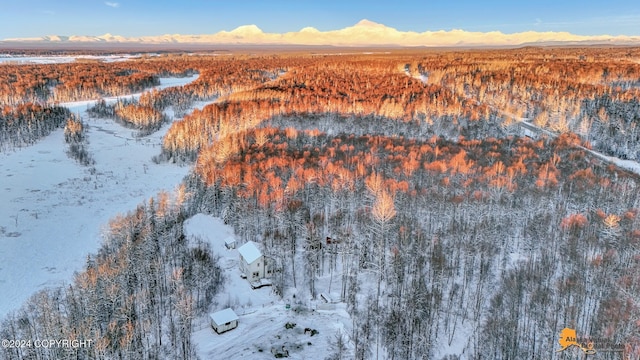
[
  {"x": 144, "y": 118},
  {"x": 352, "y": 87},
  {"x": 75, "y": 135},
  {"x": 146, "y": 113},
  {"x": 24, "y": 124},
  {"x": 590, "y": 92},
  {"x": 136, "y": 298},
  {"x": 612, "y": 125},
  {"x": 493, "y": 245},
  {"x": 216, "y": 77},
  {"x": 50, "y": 83},
  {"x": 24, "y": 89},
  {"x": 131, "y": 114}
]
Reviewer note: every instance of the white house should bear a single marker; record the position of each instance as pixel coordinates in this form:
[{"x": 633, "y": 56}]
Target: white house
[
  {"x": 253, "y": 264},
  {"x": 224, "y": 320}
]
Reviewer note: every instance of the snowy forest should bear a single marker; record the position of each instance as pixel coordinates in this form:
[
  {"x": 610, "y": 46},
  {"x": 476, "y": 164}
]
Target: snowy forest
[{"x": 477, "y": 201}]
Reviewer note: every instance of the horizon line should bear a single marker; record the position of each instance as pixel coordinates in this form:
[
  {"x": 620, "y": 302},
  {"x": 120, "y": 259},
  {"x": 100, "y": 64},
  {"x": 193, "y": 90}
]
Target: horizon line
[{"x": 363, "y": 33}]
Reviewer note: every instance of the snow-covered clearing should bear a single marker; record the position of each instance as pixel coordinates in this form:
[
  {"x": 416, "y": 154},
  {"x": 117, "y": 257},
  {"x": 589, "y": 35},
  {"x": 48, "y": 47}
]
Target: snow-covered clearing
[
  {"x": 13, "y": 59},
  {"x": 262, "y": 314},
  {"x": 53, "y": 209},
  {"x": 202, "y": 104},
  {"x": 80, "y": 106}
]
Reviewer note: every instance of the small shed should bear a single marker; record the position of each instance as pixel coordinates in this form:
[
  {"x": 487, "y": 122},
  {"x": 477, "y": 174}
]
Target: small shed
[
  {"x": 230, "y": 242},
  {"x": 224, "y": 320}
]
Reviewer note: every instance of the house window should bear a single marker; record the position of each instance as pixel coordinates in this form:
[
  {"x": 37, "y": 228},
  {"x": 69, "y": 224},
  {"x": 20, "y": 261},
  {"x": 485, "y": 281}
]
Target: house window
[
  {"x": 227, "y": 324},
  {"x": 258, "y": 264},
  {"x": 256, "y": 274}
]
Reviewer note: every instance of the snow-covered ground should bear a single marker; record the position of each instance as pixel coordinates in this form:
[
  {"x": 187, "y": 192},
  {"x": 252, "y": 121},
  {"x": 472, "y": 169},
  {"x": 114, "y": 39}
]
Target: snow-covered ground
[
  {"x": 262, "y": 314},
  {"x": 202, "y": 104},
  {"x": 53, "y": 209},
  {"x": 80, "y": 106},
  {"x": 629, "y": 165},
  {"x": 17, "y": 59}
]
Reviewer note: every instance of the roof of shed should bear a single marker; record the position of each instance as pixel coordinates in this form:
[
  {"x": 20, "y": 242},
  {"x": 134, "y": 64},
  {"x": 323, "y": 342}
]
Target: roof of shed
[{"x": 223, "y": 316}]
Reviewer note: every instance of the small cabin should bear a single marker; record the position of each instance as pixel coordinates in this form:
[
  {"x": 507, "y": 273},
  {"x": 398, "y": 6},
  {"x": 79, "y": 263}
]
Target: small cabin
[
  {"x": 253, "y": 264},
  {"x": 230, "y": 242},
  {"x": 526, "y": 129},
  {"x": 224, "y": 320}
]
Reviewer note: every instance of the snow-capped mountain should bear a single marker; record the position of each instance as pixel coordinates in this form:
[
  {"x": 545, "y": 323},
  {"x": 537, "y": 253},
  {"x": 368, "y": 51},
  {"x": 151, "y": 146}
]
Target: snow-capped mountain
[{"x": 364, "y": 33}]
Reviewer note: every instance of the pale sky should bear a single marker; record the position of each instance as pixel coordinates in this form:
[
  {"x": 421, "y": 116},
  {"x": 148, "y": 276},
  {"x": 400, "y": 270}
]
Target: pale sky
[{"x": 34, "y": 18}]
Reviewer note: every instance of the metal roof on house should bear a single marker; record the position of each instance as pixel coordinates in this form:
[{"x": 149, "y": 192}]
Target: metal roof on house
[
  {"x": 223, "y": 316},
  {"x": 249, "y": 252}
]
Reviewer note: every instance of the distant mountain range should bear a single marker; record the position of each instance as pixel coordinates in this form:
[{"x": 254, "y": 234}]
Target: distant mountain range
[{"x": 364, "y": 33}]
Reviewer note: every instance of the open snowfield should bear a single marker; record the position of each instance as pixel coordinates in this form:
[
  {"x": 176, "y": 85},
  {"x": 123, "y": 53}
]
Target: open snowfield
[
  {"x": 54, "y": 210},
  {"x": 4, "y": 58},
  {"x": 262, "y": 314}
]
